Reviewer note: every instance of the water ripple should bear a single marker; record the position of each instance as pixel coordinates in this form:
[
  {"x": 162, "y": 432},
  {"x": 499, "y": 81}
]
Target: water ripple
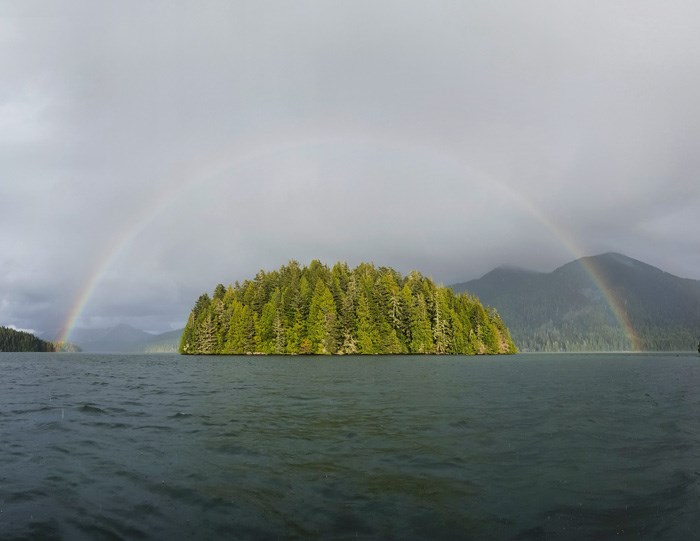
[{"x": 529, "y": 447}]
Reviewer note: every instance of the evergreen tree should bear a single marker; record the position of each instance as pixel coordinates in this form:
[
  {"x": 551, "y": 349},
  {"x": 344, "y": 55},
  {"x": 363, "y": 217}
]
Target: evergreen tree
[
  {"x": 12, "y": 340},
  {"x": 367, "y": 334},
  {"x": 421, "y": 331},
  {"x": 219, "y": 291},
  {"x": 187, "y": 338},
  {"x": 206, "y": 334},
  {"x": 441, "y": 322},
  {"x": 322, "y": 320}
]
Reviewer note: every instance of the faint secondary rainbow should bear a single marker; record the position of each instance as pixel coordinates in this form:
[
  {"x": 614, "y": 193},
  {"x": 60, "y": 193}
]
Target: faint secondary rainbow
[{"x": 212, "y": 169}]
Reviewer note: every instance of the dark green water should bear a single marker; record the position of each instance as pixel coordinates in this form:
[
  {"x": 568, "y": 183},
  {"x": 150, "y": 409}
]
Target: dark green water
[{"x": 522, "y": 447}]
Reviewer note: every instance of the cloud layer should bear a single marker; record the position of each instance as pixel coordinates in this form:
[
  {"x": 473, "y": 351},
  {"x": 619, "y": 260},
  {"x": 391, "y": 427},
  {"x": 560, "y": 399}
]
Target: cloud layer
[{"x": 153, "y": 149}]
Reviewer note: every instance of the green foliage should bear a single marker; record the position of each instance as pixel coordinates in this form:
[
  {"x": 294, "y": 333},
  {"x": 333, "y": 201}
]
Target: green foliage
[
  {"x": 12, "y": 340},
  {"x": 322, "y": 311}
]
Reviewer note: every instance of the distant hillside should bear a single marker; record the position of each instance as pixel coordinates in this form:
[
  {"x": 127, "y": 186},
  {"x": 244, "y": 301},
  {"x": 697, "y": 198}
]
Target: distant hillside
[
  {"x": 12, "y": 340},
  {"x": 338, "y": 310},
  {"x": 164, "y": 343},
  {"x": 566, "y": 311},
  {"x": 125, "y": 339}
]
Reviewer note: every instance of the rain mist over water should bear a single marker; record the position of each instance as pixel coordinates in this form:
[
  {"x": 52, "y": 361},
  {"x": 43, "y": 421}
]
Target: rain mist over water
[{"x": 521, "y": 447}]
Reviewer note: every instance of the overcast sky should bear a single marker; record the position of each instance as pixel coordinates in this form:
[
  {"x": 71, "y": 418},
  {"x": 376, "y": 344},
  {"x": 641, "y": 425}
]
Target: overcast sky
[{"x": 150, "y": 150}]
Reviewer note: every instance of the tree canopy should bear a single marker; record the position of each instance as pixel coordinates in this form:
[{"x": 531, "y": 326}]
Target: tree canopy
[
  {"x": 12, "y": 340},
  {"x": 338, "y": 310}
]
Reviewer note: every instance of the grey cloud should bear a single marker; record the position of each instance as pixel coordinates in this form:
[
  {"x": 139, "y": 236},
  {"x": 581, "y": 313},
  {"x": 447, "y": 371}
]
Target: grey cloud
[{"x": 168, "y": 146}]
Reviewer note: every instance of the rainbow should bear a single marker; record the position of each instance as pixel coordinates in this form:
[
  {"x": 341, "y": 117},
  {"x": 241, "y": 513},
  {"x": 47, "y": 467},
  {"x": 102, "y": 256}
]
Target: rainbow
[
  {"x": 197, "y": 174},
  {"x": 599, "y": 279},
  {"x": 216, "y": 168}
]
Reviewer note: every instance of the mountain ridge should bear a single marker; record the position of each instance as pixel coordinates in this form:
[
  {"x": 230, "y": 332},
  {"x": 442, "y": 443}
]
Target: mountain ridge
[
  {"x": 568, "y": 309},
  {"x": 124, "y": 338}
]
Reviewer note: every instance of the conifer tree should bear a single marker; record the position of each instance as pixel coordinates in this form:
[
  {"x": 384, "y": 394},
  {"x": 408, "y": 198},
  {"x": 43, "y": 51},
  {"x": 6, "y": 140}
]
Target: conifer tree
[
  {"x": 421, "y": 332},
  {"x": 14, "y": 340}
]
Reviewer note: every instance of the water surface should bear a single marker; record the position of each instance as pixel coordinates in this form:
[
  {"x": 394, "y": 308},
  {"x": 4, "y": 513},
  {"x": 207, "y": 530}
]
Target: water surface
[{"x": 519, "y": 447}]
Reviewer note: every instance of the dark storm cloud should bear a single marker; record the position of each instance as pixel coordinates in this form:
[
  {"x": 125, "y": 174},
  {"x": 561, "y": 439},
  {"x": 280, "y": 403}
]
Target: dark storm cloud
[{"x": 163, "y": 147}]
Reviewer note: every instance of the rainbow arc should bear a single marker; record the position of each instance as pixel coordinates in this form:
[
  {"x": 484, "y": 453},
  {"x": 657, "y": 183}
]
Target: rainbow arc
[{"x": 216, "y": 169}]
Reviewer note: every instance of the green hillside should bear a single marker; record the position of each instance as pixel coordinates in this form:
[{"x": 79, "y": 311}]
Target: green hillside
[
  {"x": 164, "y": 343},
  {"x": 321, "y": 310},
  {"x": 565, "y": 310},
  {"x": 12, "y": 340}
]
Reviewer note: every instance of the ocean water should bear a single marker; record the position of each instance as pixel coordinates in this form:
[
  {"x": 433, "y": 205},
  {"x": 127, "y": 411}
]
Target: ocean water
[{"x": 596, "y": 446}]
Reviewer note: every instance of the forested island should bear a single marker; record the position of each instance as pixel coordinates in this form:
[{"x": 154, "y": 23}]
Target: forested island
[
  {"x": 338, "y": 310},
  {"x": 12, "y": 340}
]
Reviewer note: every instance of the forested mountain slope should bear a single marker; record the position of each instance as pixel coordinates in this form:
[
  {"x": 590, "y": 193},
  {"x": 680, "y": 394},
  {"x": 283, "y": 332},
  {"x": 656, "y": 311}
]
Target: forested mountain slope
[
  {"x": 12, "y": 340},
  {"x": 566, "y": 310},
  {"x": 338, "y": 310}
]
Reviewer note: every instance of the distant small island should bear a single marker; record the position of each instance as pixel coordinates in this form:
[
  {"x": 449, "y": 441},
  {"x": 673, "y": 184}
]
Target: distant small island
[
  {"x": 66, "y": 347},
  {"x": 13, "y": 340},
  {"x": 338, "y": 311}
]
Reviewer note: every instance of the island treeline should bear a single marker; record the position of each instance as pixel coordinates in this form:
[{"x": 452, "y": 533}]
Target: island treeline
[
  {"x": 12, "y": 340},
  {"x": 338, "y": 310}
]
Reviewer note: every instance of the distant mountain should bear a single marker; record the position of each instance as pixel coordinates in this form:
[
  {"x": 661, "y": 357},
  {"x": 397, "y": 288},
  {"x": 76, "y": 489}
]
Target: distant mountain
[
  {"x": 566, "y": 310},
  {"x": 125, "y": 339},
  {"x": 120, "y": 339},
  {"x": 164, "y": 343}
]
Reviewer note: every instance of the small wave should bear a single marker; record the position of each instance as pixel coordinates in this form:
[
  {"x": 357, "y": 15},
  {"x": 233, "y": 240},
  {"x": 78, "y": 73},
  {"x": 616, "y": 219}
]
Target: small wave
[
  {"x": 118, "y": 410},
  {"x": 180, "y": 415},
  {"x": 147, "y": 510},
  {"x": 32, "y": 410},
  {"x": 101, "y": 526},
  {"x": 155, "y": 427},
  {"x": 130, "y": 474},
  {"x": 25, "y": 496},
  {"x": 54, "y": 425},
  {"x": 40, "y": 529},
  {"x": 109, "y": 425},
  {"x": 136, "y": 414},
  {"x": 90, "y": 408},
  {"x": 231, "y": 449},
  {"x": 211, "y": 423}
]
